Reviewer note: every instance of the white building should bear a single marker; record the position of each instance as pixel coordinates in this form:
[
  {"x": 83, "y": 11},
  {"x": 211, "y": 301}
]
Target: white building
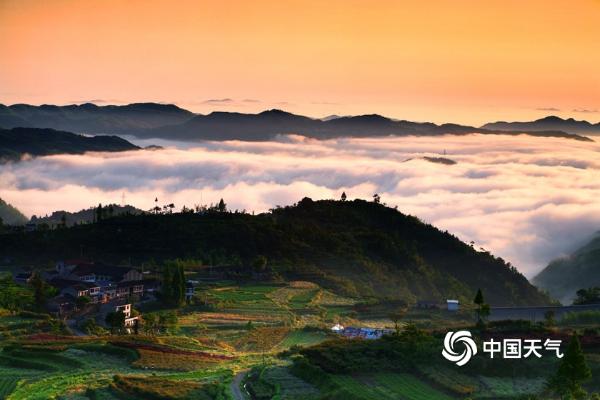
[{"x": 453, "y": 305}]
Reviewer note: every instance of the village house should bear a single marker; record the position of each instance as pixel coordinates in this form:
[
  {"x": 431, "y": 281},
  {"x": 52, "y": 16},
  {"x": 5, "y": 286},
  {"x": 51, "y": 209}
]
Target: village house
[
  {"x": 99, "y": 282},
  {"x": 453, "y": 305},
  {"x": 364, "y": 333},
  {"x": 126, "y": 310}
]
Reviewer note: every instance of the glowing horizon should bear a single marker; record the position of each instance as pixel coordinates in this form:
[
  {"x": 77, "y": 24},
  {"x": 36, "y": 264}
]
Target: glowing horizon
[{"x": 465, "y": 62}]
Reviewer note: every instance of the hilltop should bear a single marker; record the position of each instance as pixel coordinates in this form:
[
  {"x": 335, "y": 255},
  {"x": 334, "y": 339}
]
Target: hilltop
[
  {"x": 85, "y": 216},
  {"x": 93, "y": 119},
  {"x": 580, "y": 270},
  {"x": 11, "y": 215},
  {"x": 17, "y": 142},
  {"x": 357, "y": 248},
  {"x": 550, "y": 123}
]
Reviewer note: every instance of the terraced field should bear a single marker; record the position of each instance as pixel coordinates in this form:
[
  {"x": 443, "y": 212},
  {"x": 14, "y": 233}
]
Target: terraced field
[
  {"x": 388, "y": 386},
  {"x": 44, "y": 374},
  {"x": 7, "y": 385},
  {"x": 289, "y": 387}
]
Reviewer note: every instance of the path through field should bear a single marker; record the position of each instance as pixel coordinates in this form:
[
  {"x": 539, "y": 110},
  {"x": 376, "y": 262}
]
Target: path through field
[{"x": 236, "y": 386}]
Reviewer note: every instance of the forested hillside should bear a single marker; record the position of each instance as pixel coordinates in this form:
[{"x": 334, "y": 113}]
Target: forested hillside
[
  {"x": 10, "y": 215},
  {"x": 356, "y": 247},
  {"x": 565, "y": 276}
]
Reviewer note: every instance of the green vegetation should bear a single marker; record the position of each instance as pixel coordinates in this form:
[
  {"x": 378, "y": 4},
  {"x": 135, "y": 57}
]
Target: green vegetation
[
  {"x": 356, "y": 248},
  {"x": 588, "y": 296},
  {"x": 562, "y": 278},
  {"x": 9, "y": 215},
  {"x": 581, "y": 318},
  {"x": 173, "y": 284},
  {"x": 7, "y": 385},
  {"x": 387, "y": 386},
  {"x": 572, "y": 373}
]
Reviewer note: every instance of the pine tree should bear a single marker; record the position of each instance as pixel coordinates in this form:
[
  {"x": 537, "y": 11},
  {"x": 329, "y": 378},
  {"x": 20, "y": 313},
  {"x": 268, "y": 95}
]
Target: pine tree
[
  {"x": 343, "y": 198},
  {"x": 39, "y": 290},
  {"x": 572, "y": 372},
  {"x": 222, "y": 207},
  {"x": 479, "y": 301},
  {"x": 178, "y": 285}
]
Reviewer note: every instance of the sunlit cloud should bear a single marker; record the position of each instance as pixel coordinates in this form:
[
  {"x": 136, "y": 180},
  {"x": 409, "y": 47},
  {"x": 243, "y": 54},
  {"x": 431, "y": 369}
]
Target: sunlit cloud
[{"x": 526, "y": 199}]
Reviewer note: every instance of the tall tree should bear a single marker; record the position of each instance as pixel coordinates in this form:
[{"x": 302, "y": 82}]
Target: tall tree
[
  {"x": 115, "y": 320},
  {"x": 480, "y": 302},
  {"x": 222, "y": 207},
  {"x": 343, "y": 198},
  {"x": 572, "y": 372},
  {"x": 39, "y": 290},
  {"x": 167, "y": 283}
]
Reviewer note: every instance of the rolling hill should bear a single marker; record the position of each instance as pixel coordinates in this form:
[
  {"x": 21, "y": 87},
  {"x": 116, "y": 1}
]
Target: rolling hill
[
  {"x": 167, "y": 121},
  {"x": 358, "y": 248},
  {"x": 92, "y": 119},
  {"x": 16, "y": 142},
  {"x": 550, "y": 123},
  {"x": 564, "y": 276}
]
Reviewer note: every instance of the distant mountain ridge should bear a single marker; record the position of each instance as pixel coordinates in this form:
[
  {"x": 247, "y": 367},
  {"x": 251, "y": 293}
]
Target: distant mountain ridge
[
  {"x": 167, "y": 121},
  {"x": 90, "y": 118},
  {"x": 564, "y": 276},
  {"x": 16, "y": 142},
  {"x": 551, "y": 122}
]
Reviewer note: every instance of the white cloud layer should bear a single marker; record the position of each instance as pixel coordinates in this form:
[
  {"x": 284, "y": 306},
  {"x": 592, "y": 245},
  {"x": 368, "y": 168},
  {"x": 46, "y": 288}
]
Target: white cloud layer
[{"x": 526, "y": 199}]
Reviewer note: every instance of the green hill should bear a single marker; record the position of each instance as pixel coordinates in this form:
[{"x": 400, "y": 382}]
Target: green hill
[
  {"x": 581, "y": 270},
  {"x": 10, "y": 215},
  {"x": 358, "y": 248}
]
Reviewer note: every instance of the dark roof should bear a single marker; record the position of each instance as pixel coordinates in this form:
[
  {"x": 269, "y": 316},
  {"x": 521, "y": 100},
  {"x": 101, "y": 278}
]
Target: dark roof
[
  {"x": 116, "y": 273},
  {"x": 23, "y": 275},
  {"x": 151, "y": 283},
  {"x": 65, "y": 283},
  {"x": 129, "y": 283}
]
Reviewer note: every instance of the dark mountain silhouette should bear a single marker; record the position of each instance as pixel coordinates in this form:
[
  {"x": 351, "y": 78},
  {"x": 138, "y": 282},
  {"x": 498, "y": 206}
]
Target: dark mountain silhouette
[
  {"x": 83, "y": 216},
  {"x": 550, "y": 123},
  {"x": 9, "y": 215},
  {"x": 580, "y": 270},
  {"x": 268, "y": 124},
  {"x": 16, "y": 142},
  {"x": 90, "y": 118},
  {"x": 355, "y": 247},
  {"x": 165, "y": 121}
]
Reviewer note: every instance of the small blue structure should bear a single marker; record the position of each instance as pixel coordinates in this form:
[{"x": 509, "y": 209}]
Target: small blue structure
[{"x": 453, "y": 305}]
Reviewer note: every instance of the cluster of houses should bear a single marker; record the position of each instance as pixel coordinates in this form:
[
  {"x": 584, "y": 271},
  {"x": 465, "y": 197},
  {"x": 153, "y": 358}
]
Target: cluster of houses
[
  {"x": 451, "y": 305},
  {"x": 375, "y": 333},
  {"x": 98, "y": 283},
  {"x": 360, "y": 333}
]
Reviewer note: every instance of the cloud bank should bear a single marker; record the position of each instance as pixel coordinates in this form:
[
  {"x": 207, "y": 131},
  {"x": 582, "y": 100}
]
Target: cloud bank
[{"x": 526, "y": 199}]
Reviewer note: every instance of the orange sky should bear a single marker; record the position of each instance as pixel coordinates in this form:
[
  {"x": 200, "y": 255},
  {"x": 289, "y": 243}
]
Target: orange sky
[{"x": 461, "y": 61}]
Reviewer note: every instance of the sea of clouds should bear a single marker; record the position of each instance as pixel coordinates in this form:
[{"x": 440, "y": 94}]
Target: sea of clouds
[{"x": 526, "y": 199}]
